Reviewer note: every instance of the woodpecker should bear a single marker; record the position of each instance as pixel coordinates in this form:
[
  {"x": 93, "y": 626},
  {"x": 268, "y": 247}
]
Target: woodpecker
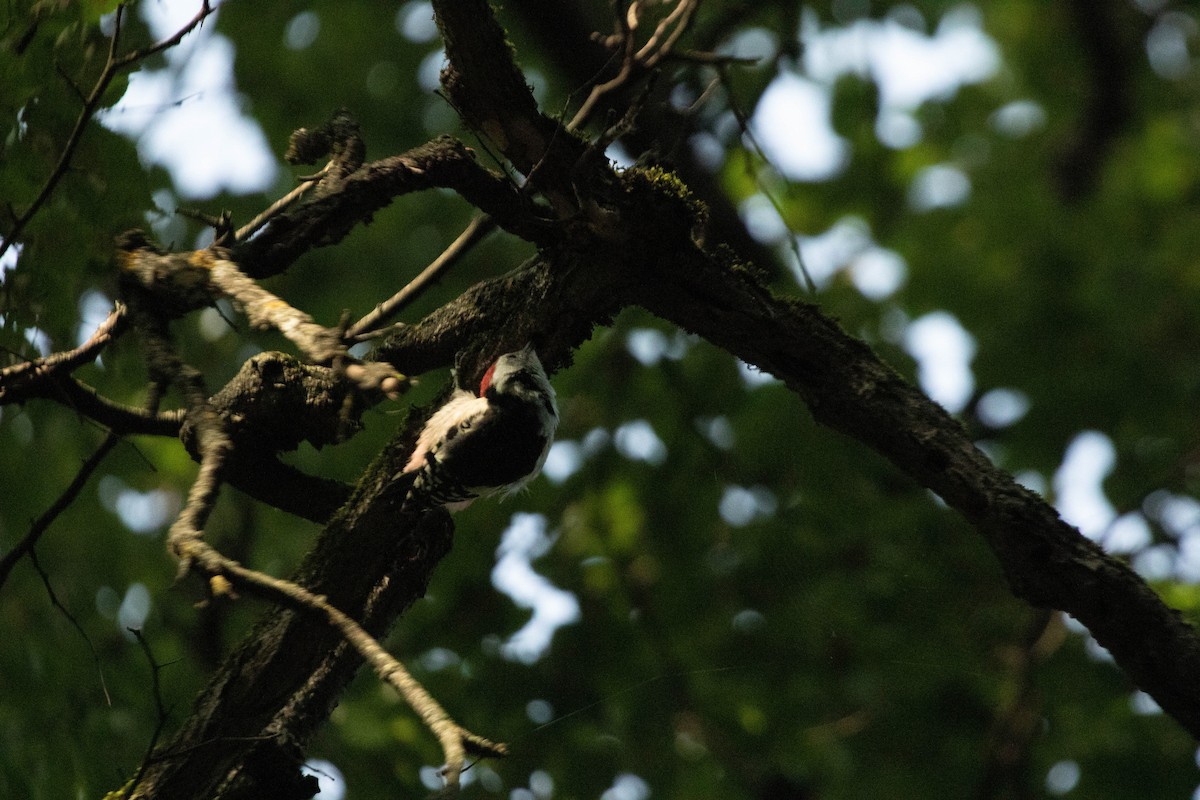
[{"x": 485, "y": 442}]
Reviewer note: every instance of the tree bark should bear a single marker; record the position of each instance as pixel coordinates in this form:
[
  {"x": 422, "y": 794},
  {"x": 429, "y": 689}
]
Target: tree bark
[{"x": 246, "y": 735}]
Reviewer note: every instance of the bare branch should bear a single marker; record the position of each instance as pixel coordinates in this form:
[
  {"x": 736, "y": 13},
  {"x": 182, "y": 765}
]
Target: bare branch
[
  {"x": 444, "y": 162},
  {"x": 180, "y": 282},
  {"x": 667, "y": 33},
  {"x": 274, "y": 403},
  {"x": 43, "y": 523},
  {"x": 637, "y": 62},
  {"x": 139, "y": 55},
  {"x": 185, "y": 538},
  {"x": 33, "y": 559},
  {"x": 50, "y": 377},
  {"x": 624, "y": 37},
  {"x": 478, "y": 228},
  {"x": 161, "y": 715},
  {"x": 273, "y": 691},
  {"x": 226, "y": 577},
  {"x": 455, "y": 740},
  {"x": 266, "y": 310},
  {"x": 122, "y": 419},
  {"x": 265, "y": 478},
  {"x": 17, "y": 378},
  {"x": 276, "y": 208}
]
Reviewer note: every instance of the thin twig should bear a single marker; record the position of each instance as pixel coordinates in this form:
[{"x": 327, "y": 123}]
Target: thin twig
[
  {"x": 478, "y": 228},
  {"x": 74, "y": 623},
  {"x": 622, "y": 126},
  {"x": 39, "y": 369},
  {"x": 455, "y": 740},
  {"x": 162, "y": 713},
  {"x": 625, "y": 34},
  {"x": 227, "y": 576},
  {"x": 62, "y": 73},
  {"x": 39, "y": 527},
  {"x": 112, "y": 68},
  {"x": 308, "y": 182},
  {"x": 636, "y": 61},
  {"x": 661, "y": 42},
  {"x": 744, "y": 124},
  {"x": 709, "y": 58},
  {"x": 117, "y": 417}
]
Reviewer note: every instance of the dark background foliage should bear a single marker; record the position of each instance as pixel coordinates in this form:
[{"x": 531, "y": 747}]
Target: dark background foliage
[{"x": 850, "y": 635}]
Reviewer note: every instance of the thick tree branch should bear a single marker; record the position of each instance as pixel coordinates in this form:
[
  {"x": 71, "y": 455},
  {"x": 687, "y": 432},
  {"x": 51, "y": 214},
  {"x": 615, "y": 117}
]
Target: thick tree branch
[
  {"x": 846, "y": 386},
  {"x": 279, "y": 485},
  {"x": 227, "y": 577},
  {"x": 564, "y": 37},
  {"x": 455, "y": 740},
  {"x": 215, "y": 447},
  {"x": 175, "y": 283},
  {"x": 273, "y": 404},
  {"x": 346, "y": 203},
  {"x": 483, "y": 82},
  {"x": 646, "y": 248},
  {"x": 249, "y": 726}
]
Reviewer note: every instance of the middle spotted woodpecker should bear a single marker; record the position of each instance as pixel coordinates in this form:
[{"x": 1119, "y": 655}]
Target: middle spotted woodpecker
[{"x": 485, "y": 442}]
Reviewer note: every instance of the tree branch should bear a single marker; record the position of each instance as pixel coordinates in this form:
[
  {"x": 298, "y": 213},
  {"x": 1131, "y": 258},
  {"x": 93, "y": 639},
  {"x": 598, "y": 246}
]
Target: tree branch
[
  {"x": 16, "y": 379},
  {"x": 476, "y": 230},
  {"x": 248, "y": 727},
  {"x": 42, "y": 523},
  {"x": 268, "y": 480},
  {"x": 847, "y": 388},
  {"x": 483, "y": 82},
  {"x": 343, "y": 204},
  {"x": 86, "y": 401},
  {"x": 647, "y": 249}
]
